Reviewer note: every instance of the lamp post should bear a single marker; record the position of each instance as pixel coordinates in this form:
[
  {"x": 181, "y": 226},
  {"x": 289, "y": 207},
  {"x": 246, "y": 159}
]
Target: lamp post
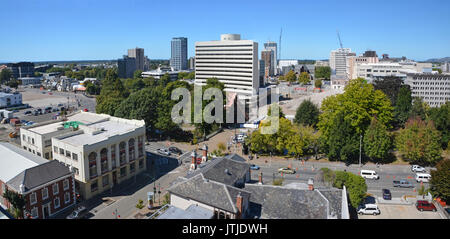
[{"x": 360, "y": 144}]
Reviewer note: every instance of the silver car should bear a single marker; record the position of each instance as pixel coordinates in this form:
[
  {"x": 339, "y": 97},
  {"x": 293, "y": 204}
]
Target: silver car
[{"x": 163, "y": 151}]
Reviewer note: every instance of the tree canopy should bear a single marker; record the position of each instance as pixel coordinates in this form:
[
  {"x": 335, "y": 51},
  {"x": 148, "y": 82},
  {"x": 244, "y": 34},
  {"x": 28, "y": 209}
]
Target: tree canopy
[
  {"x": 322, "y": 72},
  {"x": 440, "y": 180},
  {"x": 307, "y": 113}
]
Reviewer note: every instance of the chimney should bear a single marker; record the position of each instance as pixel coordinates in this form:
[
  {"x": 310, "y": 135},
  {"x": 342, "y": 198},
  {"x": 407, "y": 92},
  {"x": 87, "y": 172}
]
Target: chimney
[
  {"x": 260, "y": 178},
  {"x": 311, "y": 184},
  {"x": 239, "y": 205},
  {"x": 204, "y": 153},
  {"x": 194, "y": 160},
  {"x": 21, "y": 188}
]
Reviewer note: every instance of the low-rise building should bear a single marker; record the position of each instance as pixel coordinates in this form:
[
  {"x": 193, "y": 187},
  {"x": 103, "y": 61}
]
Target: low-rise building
[
  {"x": 10, "y": 99},
  {"x": 161, "y": 71},
  {"x": 47, "y": 186},
  {"x": 31, "y": 81}
]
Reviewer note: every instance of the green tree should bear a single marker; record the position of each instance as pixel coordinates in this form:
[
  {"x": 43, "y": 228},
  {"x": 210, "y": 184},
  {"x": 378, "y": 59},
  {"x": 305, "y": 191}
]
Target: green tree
[
  {"x": 440, "y": 180},
  {"x": 322, "y": 72},
  {"x": 377, "y": 142},
  {"x": 191, "y": 75},
  {"x": 111, "y": 95},
  {"x": 137, "y": 74},
  {"x": 13, "y": 83},
  {"x": 419, "y": 142},
  {"x": 304, "y": 78},
  {"x": 17, "y": 201},
  {"x": 441, "y": 118},
  {"x": 340, "y": 179},
  {"x": 390, "y": 86},
  {"x": 5, "y": 76},
  {"x": 290, "y": 76},
  {"x": 419, "y": 108},
  {"x": 357, "y": 189},
  {"x": 182, "y": 75},
  {"x": 318, "y": 83},
  {"x": 402, "y": 109},
  {"x": 307, "y": 113},
  {"x": 356, "y": 106}
]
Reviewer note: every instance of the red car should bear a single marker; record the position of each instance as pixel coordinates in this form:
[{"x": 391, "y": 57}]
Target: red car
[
  {"x": 425, "y": 206},
  {"x": 86, "y": 110}
]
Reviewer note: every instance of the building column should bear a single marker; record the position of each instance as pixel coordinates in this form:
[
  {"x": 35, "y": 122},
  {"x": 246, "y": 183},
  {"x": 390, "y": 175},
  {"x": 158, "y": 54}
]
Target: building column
[
  {"x": 136, "y": 149},
  {"x": 109, "y": 158},
  {"x": 99, "y": 165},
  {"x": 127, "y": 153},
  {"x": 117, "y": 156}
]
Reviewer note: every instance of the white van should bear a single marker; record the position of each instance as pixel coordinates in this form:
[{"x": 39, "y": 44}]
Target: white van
[
  {"x": 423, "y": 177},
  {"x": 369, "y": 174},
  {"x": 369, "y": 209}
]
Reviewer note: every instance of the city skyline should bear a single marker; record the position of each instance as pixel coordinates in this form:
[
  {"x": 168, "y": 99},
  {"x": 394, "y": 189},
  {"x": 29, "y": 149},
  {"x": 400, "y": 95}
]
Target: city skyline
[{"x": 70, "y": 31}]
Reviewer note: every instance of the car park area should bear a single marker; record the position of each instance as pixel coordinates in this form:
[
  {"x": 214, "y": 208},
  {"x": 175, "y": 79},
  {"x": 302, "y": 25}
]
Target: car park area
[{"x": 393, "y": 211}]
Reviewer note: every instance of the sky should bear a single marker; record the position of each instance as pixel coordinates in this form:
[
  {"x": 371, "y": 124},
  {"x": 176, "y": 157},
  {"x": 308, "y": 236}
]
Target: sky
[{"x": 57, "y": 30}]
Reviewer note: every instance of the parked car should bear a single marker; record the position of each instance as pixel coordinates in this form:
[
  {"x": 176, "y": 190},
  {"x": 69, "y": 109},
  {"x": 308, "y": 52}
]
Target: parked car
[
  {"x": 425, "y": 206},
  {"x": 369, "y": 174},
  {"x": 286, "y": 170},
  {"x": 423, "y": 177},
  {"x": 59, "y": 105},
  {"x": 163, "y": 151},
  {"x": 85, "y": 110},
  {"x": 402, "y": 184},
  {"x": 418, "y": 169},
  {"x": 387, "y": 194},
  {"x": 369, "y": 209},
  {"x": 78, "y": 213},
  {"x": 254, "y": 167},
  {"x": 28, "y": 112},
  {"x": 175, "y": 150}
]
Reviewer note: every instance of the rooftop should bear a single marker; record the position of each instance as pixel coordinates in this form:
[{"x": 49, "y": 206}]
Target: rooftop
[
  {"x": 15, "y": 160},
  {"x": 192, "y": 212}
]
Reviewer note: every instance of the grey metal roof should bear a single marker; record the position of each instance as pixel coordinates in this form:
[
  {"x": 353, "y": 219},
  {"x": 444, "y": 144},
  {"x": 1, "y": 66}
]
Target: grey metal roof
[
  {"x": 192, "y": 212},
  {"x": 224, "y": 170},
  {"x": 274, "y": 202},
  {"x": 39, "y": 175},
  {"x": 209, "y": 192}
]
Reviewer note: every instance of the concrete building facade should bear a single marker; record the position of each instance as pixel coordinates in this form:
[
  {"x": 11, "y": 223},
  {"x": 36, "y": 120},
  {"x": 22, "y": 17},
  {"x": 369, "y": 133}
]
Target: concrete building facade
[
  {"x": 126, "y": 67},
  {"x": 272, "y": 46},
  {"x": 10, "y": 99},
  {"x": 338, "y": 61},
  {"x": 232, "y": 61},
  {"x": 434, "y": 89},
  {"x": 138, "y": 54}
]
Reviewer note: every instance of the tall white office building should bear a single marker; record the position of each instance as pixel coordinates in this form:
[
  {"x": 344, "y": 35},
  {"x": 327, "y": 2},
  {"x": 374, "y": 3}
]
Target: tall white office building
[
  {"x": 338, "y": 61},
  {"x": 232, "y": 61}
]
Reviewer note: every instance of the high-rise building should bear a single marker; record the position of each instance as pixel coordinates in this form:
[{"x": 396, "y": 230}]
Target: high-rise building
[
  {"x": 262, "y": 70},
  {"x": 267, "y": 57},
  {"x": 192, "y": 63},
  {"x": 434, "y": 89},
  {"x": 232, "y": 61},
  {"x": 126, "y": 67},
  {"x": 338, "y": 61},
  {"x": 178, "y": 59},
  {"x": 272, "y": 46},
  {"x": 138, "y": 54}
]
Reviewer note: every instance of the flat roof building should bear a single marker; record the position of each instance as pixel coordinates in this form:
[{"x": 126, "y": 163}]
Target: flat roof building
[{"x": 434, "y": 89}]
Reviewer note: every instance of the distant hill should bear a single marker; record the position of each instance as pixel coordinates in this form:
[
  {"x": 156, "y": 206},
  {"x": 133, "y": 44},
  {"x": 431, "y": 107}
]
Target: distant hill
[{"x": 445, "y": 59}]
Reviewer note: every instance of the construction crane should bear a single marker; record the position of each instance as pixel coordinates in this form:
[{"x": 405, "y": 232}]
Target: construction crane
[
  {"x": 279, "y": 49},
  {"x": 339, "y": 37}
]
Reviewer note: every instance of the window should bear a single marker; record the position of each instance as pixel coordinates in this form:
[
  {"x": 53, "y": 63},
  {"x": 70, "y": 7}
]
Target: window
[
  {"x": 34, "y": 212},
  {"x": 44, "y": 193},
  {"x": 32, "y": 198},
  {"x": 93, "y": 164},
  {"x": 104, "y": 160},
  {"x": 105, "y": 180},
  {"x": 66, "y": 184},
  {"x": 38, "y": 154},
  {"x": 47, "y": 156},
  {"x": 66, "y": 197},
  {"x": 61, "y": 151},
  {"x": 123, "y": 172},
  {"x": 56, "y": 202},
  {"x": 48, "y": 143},
  {"x": 55, "y": 188},
  {"x": 76, "y": 171},
  {"x": 68, "y": 153},
  {"x": 113, "y": 156},
  {"x": 24, "y": 137},
  {"x": 141, "y": 163},
  {"x": 75, "y": 156},
  {"x": 94, "y": 186},
  {"x": 55, "y": 149}
]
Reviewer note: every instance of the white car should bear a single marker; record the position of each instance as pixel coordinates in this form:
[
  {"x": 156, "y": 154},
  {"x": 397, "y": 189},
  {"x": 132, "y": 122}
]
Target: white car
[
  {"x": 423, "y": 177},
  {"x": 163, "y": 151},
  {"x": 418, "y": 169},
  {"x": 369, "y": 209}
]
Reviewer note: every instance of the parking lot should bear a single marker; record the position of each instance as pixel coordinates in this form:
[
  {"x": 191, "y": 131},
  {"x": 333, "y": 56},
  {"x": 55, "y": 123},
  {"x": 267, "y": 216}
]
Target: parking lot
[{"x": 402, "y": 212}]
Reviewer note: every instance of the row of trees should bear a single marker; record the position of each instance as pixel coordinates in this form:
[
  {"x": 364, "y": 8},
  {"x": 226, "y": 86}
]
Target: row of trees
[
  {"x": 363, "y": 121},
  {"x": 303, "y": 78}
]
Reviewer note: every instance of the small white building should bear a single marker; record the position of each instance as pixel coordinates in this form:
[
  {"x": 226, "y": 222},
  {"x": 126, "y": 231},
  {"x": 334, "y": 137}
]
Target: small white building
[{"x": 10, "y": 99}]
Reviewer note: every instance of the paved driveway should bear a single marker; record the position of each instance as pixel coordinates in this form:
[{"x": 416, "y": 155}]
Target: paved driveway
[{"x": 401, "y": 212}]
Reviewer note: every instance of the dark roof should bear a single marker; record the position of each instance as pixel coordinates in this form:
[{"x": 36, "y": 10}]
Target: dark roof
[
  {"x": 209, "y": 192},
  {"x": 275, "y": 202},
  {"x": 39, "y": 175},
  {"x": 227, "y": 170}
]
